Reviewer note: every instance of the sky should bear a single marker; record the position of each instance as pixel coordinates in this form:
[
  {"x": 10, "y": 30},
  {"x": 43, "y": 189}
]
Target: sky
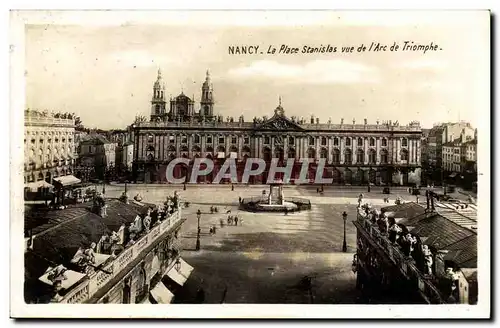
[{"x": 105, "y": 73}]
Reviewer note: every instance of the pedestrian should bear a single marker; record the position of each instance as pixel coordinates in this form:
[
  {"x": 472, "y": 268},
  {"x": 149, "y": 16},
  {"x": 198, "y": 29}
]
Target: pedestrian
[
  {"x": 214, "y": 229},
  {"x": 232, "y": 187},
  {"x": 286, "y": 210},
  {"x": 417, "y": 199},
  {"x": 229, "y": 220},
  {"x": 211, "y": 231},
  {"x": 239, "y": 199},
  {"x": 236, "y": 220},
  {"x": 221, "y": 223},
  {"x": 368, "y": 187}
]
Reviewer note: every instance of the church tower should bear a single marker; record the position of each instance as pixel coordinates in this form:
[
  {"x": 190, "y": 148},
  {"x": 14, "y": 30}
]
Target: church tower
[
  {"x": 207, "y": 99},
  {"x": 158, "y": 100}
]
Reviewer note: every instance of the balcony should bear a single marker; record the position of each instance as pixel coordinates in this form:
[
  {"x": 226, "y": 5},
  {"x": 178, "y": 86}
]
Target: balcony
[
  {"x": 406, "y": 264},
  {"x": 98, "y": 279}
]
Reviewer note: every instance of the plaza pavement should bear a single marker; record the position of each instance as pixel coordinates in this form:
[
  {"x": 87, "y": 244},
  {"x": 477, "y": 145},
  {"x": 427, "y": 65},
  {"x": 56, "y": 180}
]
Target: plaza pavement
[{"x": 263, "y": 258}]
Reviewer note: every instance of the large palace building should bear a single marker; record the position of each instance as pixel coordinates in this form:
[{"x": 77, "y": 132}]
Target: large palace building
[{"x": 357, "y": 154}]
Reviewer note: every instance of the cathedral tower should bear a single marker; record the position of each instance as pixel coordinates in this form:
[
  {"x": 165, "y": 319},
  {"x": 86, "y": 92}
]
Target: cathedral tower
[
  {"x": 158, "y": 100},
  {"x": 207, "y": 99}
]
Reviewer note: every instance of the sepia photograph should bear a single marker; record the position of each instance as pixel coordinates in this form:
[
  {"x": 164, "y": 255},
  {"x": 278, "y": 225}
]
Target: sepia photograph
[{"x": 297, "y": 164}]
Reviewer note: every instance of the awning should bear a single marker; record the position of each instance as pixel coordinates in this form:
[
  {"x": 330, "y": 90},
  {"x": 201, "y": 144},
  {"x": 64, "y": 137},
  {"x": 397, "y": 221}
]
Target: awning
[
  {"x": 67, "y": 180},
  {"x": 221, "y": 155},
  {"x": 161, "y": 294},
  {"x": 181, "y": 273},
  {"x": 34, "y": 186},
  {"x": 454, "y": 174}
]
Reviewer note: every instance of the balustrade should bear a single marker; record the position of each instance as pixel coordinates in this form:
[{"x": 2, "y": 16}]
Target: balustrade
[{"x": 97, "y": 280}]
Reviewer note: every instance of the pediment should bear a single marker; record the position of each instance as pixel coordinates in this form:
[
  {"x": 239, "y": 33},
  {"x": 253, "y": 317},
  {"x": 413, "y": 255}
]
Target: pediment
[{"x": 280, "y": 123}]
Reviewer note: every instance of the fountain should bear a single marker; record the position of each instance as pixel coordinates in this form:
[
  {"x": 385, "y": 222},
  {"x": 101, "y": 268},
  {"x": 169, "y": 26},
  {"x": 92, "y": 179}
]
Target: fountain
[{"x": 275, "y": 201}]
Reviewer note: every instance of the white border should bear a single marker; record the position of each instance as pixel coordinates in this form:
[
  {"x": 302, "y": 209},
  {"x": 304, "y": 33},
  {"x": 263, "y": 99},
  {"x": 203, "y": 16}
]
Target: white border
[{"x": 18, "y": 308}]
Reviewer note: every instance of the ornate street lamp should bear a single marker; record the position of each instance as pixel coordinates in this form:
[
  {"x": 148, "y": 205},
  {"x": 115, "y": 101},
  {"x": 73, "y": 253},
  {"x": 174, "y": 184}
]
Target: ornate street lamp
[
  {"x": 198, "y": 215},
  {"x": 344, "y": 245}
]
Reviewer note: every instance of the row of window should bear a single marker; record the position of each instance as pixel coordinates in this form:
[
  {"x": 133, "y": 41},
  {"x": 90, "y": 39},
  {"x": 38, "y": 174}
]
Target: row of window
[
  {"x": 48, "y": 151},
  {"x": 48, "y": 133},
  {"x": 360, "y": 154},
  {"x": 56, "y": 140},
  {"x": 291, "y": 140}
]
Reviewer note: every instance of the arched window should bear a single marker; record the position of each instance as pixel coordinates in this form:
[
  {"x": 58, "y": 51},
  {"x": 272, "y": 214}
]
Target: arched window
[
  {"x": 267, "y": 140},
  {"x": 360, "y": 156},
  {"x": 372, "y": 142},
  {"x": 404, "y": 142},
  {"x": 347, "y": 156},
  {"x": 335, "y": 141},
  {"x": 348, "y": 141},
  {"x": 384, "y": 142},
  {"x": 323, "y": 153},
  {"x": 360, "y": 142},
  {"x": 151, "y": 138},
  {"x": 157, "y": 109},
  {"x": 323, "y": 141},
  {"x": 372, "y": 156},
  {"x": 150, "y": 148},
  {"x": 197, "y": 138},
  {"x": 311, "y": 153},
  {"x": 291, "y": 140},
  {"x": 291, "y": 153},
  {"x": 336, "y": 156},
  {"x": 311, "y": 141},
  {"x": 383, "y": 157},
  {"x": 404, "y": 155}
]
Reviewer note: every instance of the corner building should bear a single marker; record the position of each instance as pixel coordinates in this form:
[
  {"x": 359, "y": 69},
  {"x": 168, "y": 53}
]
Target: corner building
[{"x": 357, "y": 154}]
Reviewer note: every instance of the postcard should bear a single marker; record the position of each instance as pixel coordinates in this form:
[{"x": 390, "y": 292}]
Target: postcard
[{"x": 250, "y": 164}]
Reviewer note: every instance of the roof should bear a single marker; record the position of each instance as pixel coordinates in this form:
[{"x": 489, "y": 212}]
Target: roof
[
  {"x": 439, "y": 232},
  {"x": 470, "y": 274},
  {"x": 464, "y": 252},
  {"x": 405, "y": 210},
  {"x": 455, "y": 143},
  {"x": 94, "y": 139}
]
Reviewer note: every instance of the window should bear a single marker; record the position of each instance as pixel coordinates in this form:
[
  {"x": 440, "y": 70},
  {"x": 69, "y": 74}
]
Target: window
[
  {"x": 184, "y": 139},
  {"x": 360, "y": 156},
  {"x": 69, "y": 140},
  {"x": 311, "y": 141},
  {"x": 63, "y": 140},
  {"x": 383, "y": 156},
  {"x": 323, "y": 153},
  {"x": 347, "y": 141},
  {"x": 196, "y": 138},
  {"x": 221, "y": 140},
  {"x": 233, "y": 140},
  {"x": 33, "y": 141},
  {"x": 335, "y": 141},
  {"x": 209, "y": 139},
  {"x": 404, "y": 142},
  {"x": 266, "y": 140},
  {"x": 360, "y": 141},
  {"x": 150, "y": 138},
  {"x": 404, "y": 155},
  {"x": 336, "y": 156},
  {"x": 246, "y": 140},
  {"x": 41, "y": 141},
  {"x": 323, "y": 141},
  {"x": 372, "y": 142},
  {"x": 372, "y": 157},
  {"x": 56, "y": 140},
  {"x": 291, "y": 140},
  {"x": 348, "y": 156},
  {"x": 384, "y": 142}
]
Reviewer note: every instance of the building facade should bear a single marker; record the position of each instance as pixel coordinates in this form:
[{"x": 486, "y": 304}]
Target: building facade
[
  {"x": 115, "y": 251},
  {"x": 97, "y": 153},
  {"x": 381, "y": 153},
  {"x": 49, "y": 146}
]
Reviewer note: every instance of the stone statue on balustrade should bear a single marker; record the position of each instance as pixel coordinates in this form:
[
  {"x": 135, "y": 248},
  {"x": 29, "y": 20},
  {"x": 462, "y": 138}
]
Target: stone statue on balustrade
[
  {"x": 408, "y": 243},
  {"x": 57, "y": 276},
  {"x": 85, "y": 258},
  {"x": 394, "y": 232},
  {"x": 428, "y": 260}
]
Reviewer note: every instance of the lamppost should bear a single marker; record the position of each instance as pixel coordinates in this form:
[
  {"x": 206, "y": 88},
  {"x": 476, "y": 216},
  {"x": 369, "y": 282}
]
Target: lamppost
[
  {"x": 344, "y": 245},
  {"x": 198, "y": 215}
]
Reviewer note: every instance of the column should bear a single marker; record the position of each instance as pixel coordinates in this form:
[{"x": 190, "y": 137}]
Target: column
[
  {"x": 240, "y": 145},
  {"x": 365, "y": 143},
  {"x": 203, "y": 144},
  {"x": 418, "y": 142},
  {"x": 285, "y": 148},
  {"x": 177, "y": 145},
  {"x": 317, "y": 141}
]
